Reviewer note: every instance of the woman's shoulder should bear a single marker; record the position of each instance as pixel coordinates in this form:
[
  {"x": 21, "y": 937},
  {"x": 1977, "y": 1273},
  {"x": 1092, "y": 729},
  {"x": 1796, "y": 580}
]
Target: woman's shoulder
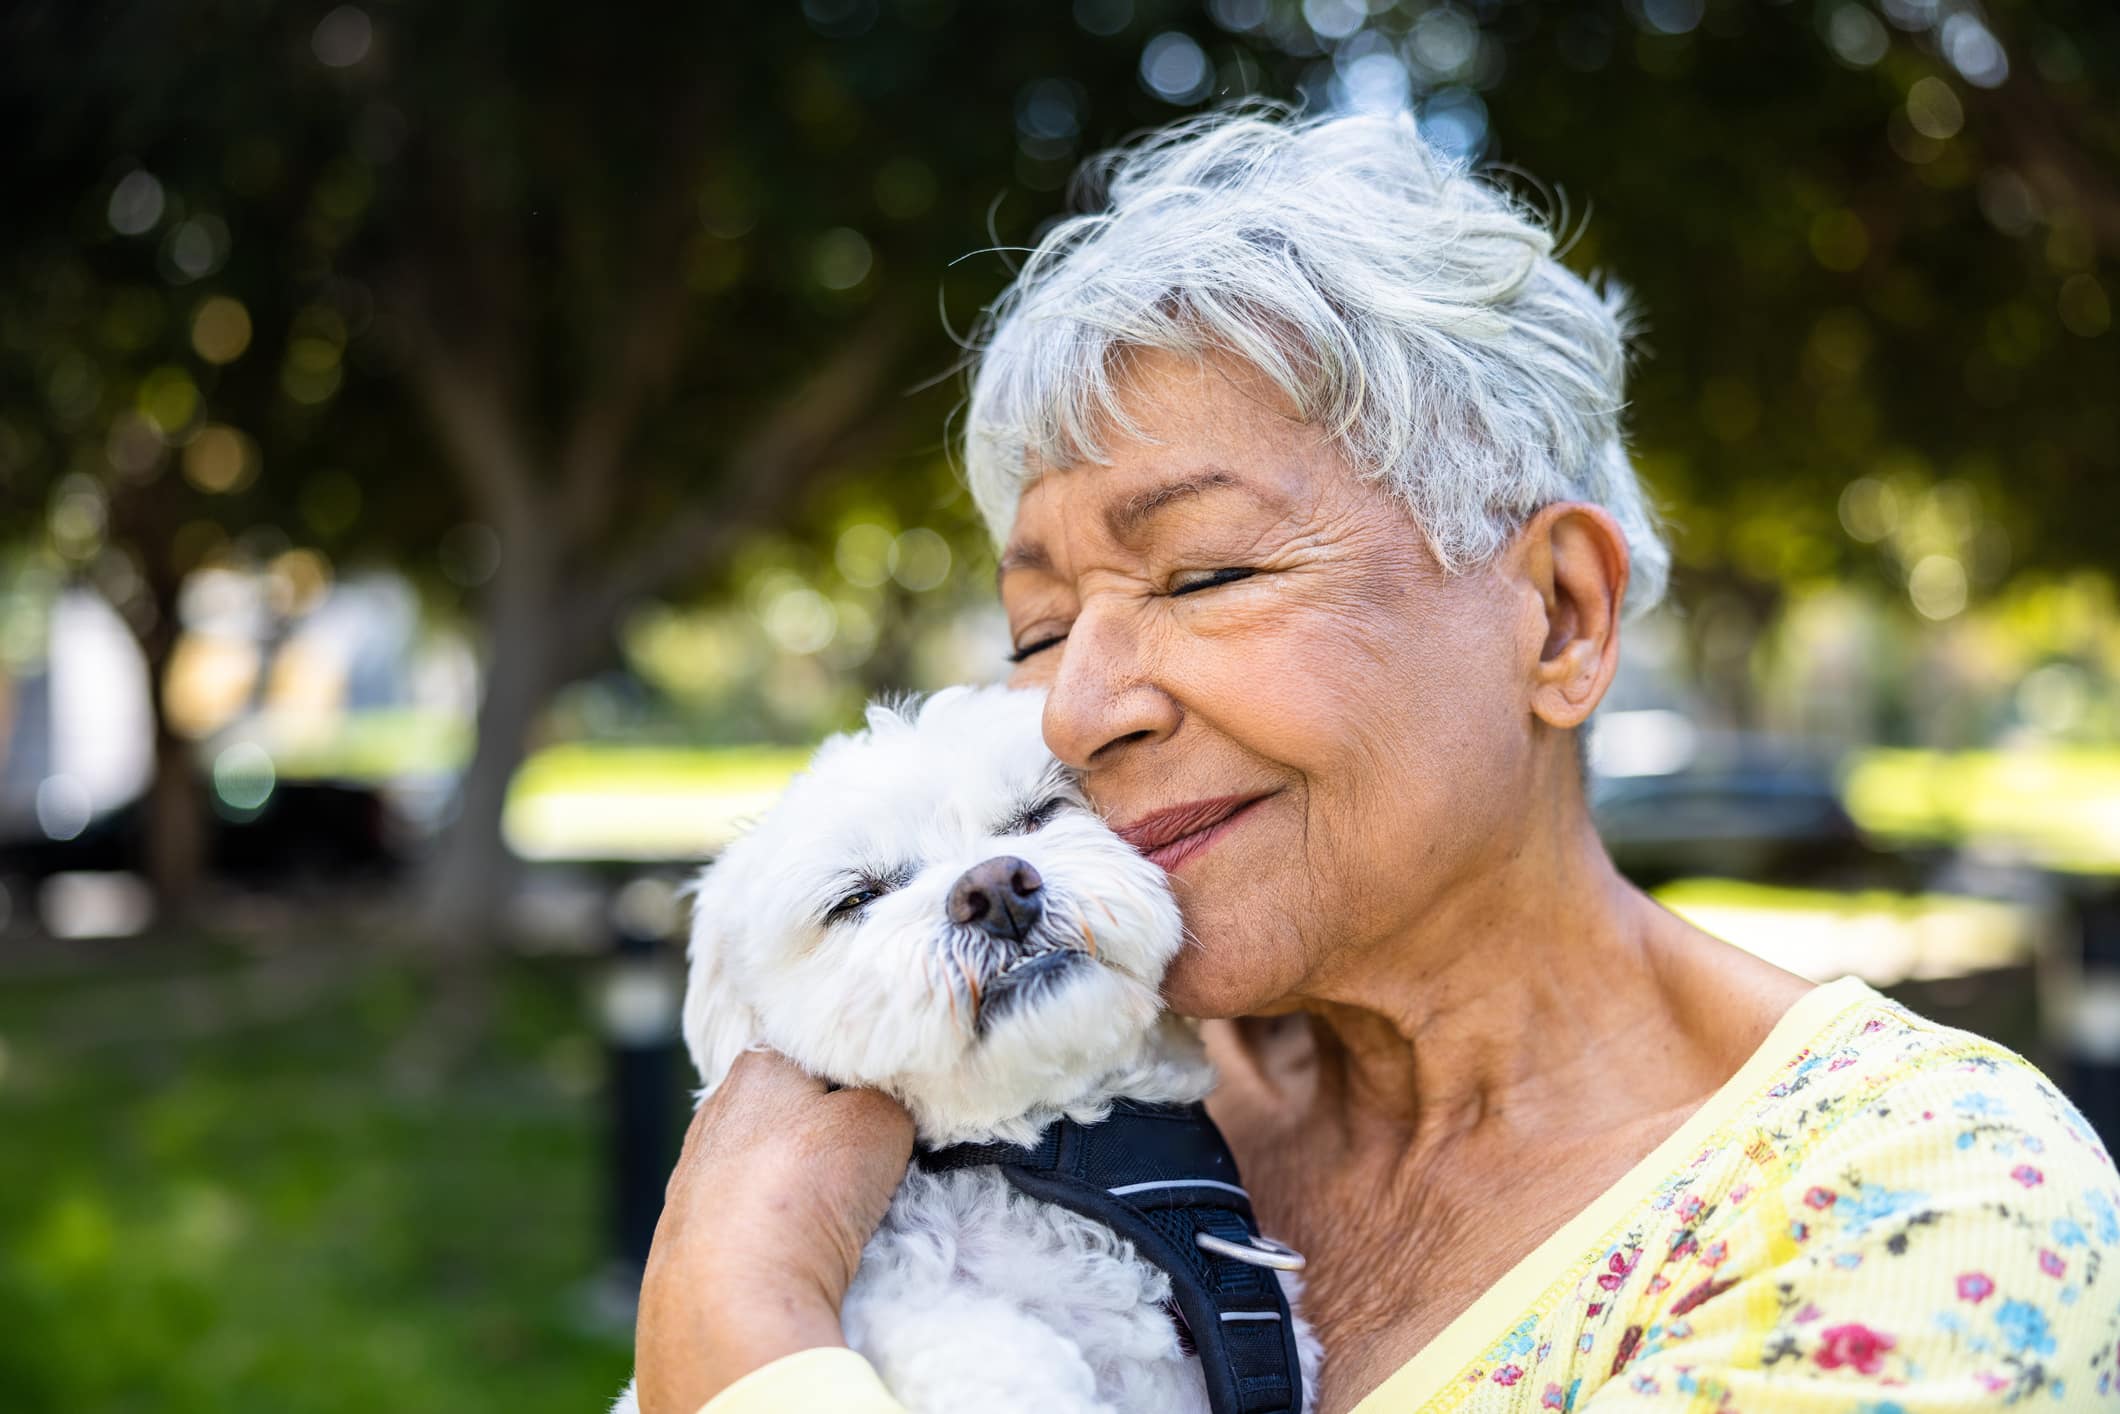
[
  {"x": 1918, "y": 1210},
  {"x": 1919, "y": 1099}
]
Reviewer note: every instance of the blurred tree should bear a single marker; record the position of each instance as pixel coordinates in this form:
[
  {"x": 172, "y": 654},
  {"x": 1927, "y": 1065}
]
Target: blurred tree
[
  {"x": 606, "y": 294},
  {"x": 602, "y": 295}
]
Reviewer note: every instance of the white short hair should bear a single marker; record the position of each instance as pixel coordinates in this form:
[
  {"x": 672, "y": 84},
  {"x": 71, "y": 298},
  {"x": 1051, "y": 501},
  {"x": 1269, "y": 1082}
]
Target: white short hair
[{"x": 1405, "y": 305}]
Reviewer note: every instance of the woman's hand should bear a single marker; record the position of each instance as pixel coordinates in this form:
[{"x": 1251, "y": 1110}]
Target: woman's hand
[{"x": 778, "y": 1189}]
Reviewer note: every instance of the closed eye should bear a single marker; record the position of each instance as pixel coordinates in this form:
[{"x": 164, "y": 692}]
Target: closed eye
[
  {"x": 1036, "y": 646},
  {"x": 1208, "y": 579},
  {"x": 1037, "y": 817}
]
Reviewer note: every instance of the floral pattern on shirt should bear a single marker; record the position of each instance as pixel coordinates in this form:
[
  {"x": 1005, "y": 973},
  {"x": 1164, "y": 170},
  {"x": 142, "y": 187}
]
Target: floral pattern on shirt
[{"x": 1907, "y": 1218}]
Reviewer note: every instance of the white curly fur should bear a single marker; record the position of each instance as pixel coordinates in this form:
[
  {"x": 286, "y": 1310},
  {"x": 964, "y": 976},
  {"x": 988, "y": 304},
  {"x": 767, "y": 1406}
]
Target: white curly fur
[{"x": 970, "y": 1296}]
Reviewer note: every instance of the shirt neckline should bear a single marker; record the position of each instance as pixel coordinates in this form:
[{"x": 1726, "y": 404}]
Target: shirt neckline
[{"x": 1517, "y": 1290}]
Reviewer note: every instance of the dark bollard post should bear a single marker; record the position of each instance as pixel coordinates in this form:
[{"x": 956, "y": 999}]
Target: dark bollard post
[{"x": 638, "y": 1007}]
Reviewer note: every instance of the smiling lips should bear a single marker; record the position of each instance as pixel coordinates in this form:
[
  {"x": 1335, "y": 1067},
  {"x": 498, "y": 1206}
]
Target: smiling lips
[{"x": 1175, "y": 834}]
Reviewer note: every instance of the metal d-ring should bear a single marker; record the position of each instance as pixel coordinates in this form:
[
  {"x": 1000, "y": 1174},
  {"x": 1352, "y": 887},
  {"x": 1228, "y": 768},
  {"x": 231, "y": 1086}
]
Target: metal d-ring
[{"x": 1263, "y": 1252}]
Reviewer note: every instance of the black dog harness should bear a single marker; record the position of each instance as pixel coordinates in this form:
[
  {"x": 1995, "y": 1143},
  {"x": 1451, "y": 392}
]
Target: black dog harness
[{"x": 1162, "y": 1177}]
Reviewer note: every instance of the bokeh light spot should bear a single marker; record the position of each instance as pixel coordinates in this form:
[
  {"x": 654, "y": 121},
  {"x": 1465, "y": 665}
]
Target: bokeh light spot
[
  {"x": 342, "y": 38},
  {"x": 1937, "y": 586},
  {"x": 1334, "y": 19},
  {"x": 135, "y": 204},
  {"x": 220, "y": 329},
  {"x": 244, "y": 777},
  {"x": 1869, "y": 509},
  {"x": 169, "y": 399},
  {"x": 920, "y": 559},
  {"x": 1104, "y": 17},
  {"x": 220, "y": 459},
  {"x": 841, "y": 258},
  {"x": 1934, "y": 110},
  {"x": 2086, "y": 309},
  {"x": 863, "y": 555},
  {"x": 1839, "y": 240},
  {"x": 1855, "y": 36},
  {"x": 1174, "y": 69}
]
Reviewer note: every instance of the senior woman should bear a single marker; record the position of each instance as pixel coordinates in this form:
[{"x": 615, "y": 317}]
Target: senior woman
[{"x": 1305, "y": 459}]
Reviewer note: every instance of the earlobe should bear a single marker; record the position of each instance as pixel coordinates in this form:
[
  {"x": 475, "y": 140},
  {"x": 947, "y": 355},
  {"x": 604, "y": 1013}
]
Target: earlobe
[{"x": 1579, "y": 560}]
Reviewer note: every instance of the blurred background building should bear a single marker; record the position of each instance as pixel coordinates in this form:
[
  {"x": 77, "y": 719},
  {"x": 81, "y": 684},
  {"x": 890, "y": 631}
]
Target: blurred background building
[{"x": 455, "y": 461}]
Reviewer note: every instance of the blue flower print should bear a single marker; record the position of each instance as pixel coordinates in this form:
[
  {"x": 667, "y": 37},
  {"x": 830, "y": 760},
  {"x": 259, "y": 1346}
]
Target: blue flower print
[
  {"x": 2103, "y": 1214},
  {"x": 2024, "y": 1327},
  {"x": 1981, "y": 1103},
  {"x": 2069, "y": 1233},
  {"x": 1873, "y": 1203}
]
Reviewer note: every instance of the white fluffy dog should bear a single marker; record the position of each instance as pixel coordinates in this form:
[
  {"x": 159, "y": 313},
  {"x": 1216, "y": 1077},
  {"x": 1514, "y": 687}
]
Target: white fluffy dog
[{"x": 933, "y": 910}]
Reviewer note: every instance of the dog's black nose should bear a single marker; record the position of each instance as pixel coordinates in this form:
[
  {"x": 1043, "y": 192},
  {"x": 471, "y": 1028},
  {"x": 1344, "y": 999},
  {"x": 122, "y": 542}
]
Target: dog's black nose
[{"x": 1001, "y": 896}]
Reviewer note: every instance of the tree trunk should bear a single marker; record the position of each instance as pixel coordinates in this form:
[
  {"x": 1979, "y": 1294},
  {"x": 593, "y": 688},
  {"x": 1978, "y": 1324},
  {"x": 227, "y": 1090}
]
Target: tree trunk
[
  {"x": 176, "y": 821},
  {"x": 472, "y": 874}
]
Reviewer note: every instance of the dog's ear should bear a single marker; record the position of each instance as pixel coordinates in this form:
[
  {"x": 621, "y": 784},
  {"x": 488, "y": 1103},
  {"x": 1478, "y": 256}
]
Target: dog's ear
[{"x": 718, "y": 1024}]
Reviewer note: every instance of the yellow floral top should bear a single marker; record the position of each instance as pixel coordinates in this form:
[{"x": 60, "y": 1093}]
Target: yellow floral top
[{"x": 1877, "y": 1214}]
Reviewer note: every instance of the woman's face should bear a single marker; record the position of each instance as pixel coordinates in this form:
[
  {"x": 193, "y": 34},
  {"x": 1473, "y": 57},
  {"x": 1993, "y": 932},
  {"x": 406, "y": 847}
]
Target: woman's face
[{"x": 1261, "y": 669}]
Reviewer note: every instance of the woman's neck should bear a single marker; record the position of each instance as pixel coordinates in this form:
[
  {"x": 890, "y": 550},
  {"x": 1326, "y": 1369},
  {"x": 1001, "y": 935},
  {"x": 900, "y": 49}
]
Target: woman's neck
[{"x": 1505, "y": 1003}]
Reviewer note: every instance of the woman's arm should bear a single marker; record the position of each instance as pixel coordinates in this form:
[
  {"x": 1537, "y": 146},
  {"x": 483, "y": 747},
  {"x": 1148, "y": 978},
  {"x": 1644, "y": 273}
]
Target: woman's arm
[{"x": 778, "y": 1188}]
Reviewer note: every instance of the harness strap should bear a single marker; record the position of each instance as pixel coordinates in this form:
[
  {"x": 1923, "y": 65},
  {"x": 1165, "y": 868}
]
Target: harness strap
[{"x": 1160, "y": 1175}]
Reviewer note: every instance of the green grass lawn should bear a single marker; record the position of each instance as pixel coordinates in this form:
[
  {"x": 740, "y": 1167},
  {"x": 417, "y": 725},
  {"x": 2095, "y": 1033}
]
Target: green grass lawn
[{"x": 217, "y": 1193}]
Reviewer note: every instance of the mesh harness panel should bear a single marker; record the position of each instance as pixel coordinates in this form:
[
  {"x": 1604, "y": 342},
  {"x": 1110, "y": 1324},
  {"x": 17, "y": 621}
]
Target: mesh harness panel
[{"x": 1159, "y": 1175}]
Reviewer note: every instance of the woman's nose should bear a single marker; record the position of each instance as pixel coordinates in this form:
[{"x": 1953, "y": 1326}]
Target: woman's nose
[{"x": 1102, "y": 698}]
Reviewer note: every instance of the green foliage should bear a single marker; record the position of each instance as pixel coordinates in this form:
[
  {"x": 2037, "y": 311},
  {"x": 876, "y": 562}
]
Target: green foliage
[{"x": 251, "y": 1214}]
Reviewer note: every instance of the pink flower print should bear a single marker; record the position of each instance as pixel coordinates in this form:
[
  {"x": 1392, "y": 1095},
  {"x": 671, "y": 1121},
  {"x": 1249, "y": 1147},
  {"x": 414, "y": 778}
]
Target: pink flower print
[
  {"x": 1616, "y": 1272},
  {"x": 1716, "y": 1254},
  {"x": 1705, "y": 1291},
  {"x": 1657, "y": 1283},
  {"x": 1737, "y": 1194},
  {"x": 1808, "y": 1314},
  {"x": 1691, "y": 1208},
  {"x": 1928, "y": 1114},
  {"x": 2050, "y": 1262},
  {"x": 2027, "y": 1175},
  {"x": 1628, "y": 1344},
  {"x": 1508, "y": 1375},
  {"x": 1871, "y": 1025},
  {"x": 1853, "y": 1344},
  {"x": 1975, "y": 1287},
  {"x": 1595, "y": 1308},
  {"x": 1552, "y": 1398},
  {"x": 1991, "y": 1382},
  {"x": 1841, "y": 1063},
  {"x": 1819, "y": 1198}
]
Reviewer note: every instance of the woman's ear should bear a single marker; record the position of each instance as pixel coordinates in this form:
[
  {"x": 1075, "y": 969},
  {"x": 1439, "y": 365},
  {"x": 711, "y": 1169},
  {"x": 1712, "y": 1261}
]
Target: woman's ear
[
  {"x": 718, "y": 1024},
  {"x": 1574, "y": 557}
]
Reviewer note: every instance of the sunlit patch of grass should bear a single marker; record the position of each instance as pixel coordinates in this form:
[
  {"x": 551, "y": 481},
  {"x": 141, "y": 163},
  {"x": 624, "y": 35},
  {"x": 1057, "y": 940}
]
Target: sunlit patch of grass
[
  {"x": 1879, "y": 935},
  {"x": 2057, "y": 805},
  {"x": 260, "y": 1219},
  {"x": 640, "y": 802}
]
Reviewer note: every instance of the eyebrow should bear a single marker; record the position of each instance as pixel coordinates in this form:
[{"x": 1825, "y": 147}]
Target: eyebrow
[{"x": 1127, "y": 517}]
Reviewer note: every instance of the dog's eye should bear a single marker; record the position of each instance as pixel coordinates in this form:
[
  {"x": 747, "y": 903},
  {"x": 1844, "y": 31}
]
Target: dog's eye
[
  {"x": 1038, "y": 816},
  {"x": 852, "y": 904}
]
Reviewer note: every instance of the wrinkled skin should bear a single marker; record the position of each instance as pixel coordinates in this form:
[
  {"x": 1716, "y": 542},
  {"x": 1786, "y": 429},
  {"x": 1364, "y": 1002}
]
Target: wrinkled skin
[{"x": 1480, "y": 1022}]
